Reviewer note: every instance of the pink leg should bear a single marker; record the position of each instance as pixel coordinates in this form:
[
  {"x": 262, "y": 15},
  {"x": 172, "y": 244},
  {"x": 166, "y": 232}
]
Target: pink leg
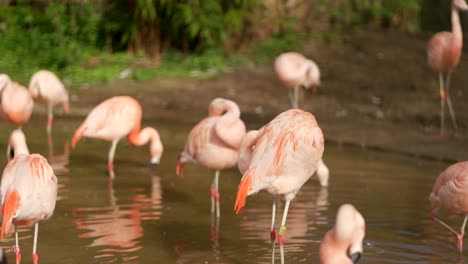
[
  {"x": 273, "y": 215},
  {"x": 110, "y": 163},
  {"x": 35, "y": 257},
  {"x": 16, "y": 247}
]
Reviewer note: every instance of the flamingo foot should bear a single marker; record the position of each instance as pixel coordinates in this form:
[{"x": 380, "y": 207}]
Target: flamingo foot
[
  {"x": 214, "y": 234},
  {"x": 35, "y": 258},
  {"x": 273, "y": 235},
  {"x": 456, "y": 132},
  {"x": 460, "y": 241},
  {"x": 16, "y": 249},
  {"x": 443, "y": 135}
]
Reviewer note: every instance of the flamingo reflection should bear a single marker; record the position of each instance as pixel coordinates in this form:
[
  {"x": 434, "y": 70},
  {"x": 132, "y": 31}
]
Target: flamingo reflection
[
  {"x": 116, "y": 229},
  {"x": 303, "y": 217}
]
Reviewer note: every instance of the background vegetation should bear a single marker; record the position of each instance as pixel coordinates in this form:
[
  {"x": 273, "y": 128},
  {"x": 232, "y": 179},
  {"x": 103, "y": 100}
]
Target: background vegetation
[{"x": 87, "y": 41}]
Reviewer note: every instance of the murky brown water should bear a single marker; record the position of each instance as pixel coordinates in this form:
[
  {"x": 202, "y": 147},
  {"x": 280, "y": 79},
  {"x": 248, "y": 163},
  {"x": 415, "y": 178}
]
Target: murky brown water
[{"x": 150, "y": 215}]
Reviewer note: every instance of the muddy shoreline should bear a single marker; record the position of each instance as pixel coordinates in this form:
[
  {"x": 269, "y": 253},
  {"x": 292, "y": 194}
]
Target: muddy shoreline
[{"x": 377, "y": 92}]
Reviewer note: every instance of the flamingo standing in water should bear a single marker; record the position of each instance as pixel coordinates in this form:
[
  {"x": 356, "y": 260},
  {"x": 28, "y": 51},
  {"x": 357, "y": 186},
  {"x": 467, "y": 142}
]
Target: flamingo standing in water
[
  {"x": 16, "y": 101},
  {"x": 285, "y": 154},
  {"x": 343, "y": 244},
  {"x": 443, "y": 53},
  {"x": 295, "y": 70},
  {"x": 114, "y": 119},
  {"x": 450, "y": 192},
  {"x": 28, "y": 190},
  {"x": 47, "y": 88},
  {"x": 214, "y": 143}
]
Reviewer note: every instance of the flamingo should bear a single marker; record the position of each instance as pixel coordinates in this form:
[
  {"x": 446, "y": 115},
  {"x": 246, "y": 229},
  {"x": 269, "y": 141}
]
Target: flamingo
[
  {"x": 47, "y": 88},
  {"x": 28, "y": 190},
  {"x": 295, "y": 70},
  {"x": 214, "y": 143},
  {"x": 449, "y": 192},
  {"x": 286, "y": 153},
  {"x": 16, "y": 101},
  {"x": 443, "y": 53},
  {"x": 115, "y": 118},
  {"x": 343, "y": 244}
]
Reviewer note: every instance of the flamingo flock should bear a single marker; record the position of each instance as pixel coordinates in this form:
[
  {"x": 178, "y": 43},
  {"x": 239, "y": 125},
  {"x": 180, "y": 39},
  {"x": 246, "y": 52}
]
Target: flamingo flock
[{"x": 279, "y": 157}]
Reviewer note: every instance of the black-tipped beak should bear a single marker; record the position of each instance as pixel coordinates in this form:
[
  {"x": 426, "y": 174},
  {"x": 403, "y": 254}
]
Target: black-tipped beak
[
  {"x": 355, "y": 257},
  {"x": 152, "y": 164}
]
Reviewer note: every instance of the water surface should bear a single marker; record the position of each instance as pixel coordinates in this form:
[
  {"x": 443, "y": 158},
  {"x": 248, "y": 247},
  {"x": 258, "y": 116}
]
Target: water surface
[{"x": 149, "y": 215}]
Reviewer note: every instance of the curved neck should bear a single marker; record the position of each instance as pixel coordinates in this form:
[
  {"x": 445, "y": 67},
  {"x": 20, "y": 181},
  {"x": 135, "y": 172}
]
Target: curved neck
[
  {"x": 139, "y": 138},
  {"x": 245, "y": 150}
]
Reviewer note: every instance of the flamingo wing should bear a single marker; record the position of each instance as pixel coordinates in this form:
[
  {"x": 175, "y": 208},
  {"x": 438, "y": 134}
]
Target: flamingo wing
[{"x": 451, "y": 188}]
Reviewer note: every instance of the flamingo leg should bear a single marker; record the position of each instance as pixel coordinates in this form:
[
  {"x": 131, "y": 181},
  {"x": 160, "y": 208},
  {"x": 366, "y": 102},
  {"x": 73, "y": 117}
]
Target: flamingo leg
[
  {"x": 442, "y": 104},
  {"x": 283, "y": 230},
  {"x": 110, "y": 163},
  {"x": 215, "y": 195},
  {"x": 16, "y": 247},
  {"x": 35, "y": 257},
  {"x": 296, "y": 97},
  {"x": 462, "y": 233},
  {"x": 8, "y": 152},
  {"x": 273, "y": 233},
  {"x": 449, "y": 102},
  {"x": 50, "y": 118}
]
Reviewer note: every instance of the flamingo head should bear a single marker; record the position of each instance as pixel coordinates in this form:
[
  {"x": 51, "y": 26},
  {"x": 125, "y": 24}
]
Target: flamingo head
[
  {"x": 350, "y": 228},
  {"x": 460, "y": 5},
  {"x": 180, "y": 166},
  {"x": 312, "y": 78}
]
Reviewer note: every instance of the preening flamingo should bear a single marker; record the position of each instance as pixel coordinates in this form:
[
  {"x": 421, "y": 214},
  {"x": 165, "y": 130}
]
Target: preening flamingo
[
  {"x": 343, "y": 244},
  {"x": 28, "y": 190},
  {"x": 285, "y": 154},
  {"x": 16, "y": 101},
  {"x": 214, "y": 142},
  {"x": 443, "y": 53},
  {"x": 450, "y": 192},
  {"x": 47, "y": 88},
  {"x": 295, "y": 70},
  {"x": 114, "y": 119}
]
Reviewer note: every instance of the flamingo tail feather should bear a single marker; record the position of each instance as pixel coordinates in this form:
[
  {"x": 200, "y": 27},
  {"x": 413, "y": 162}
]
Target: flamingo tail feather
[{"x": 10, "y": 205}]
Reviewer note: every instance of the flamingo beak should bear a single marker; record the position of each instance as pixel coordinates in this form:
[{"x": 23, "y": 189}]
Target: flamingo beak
[
  {"x": 180, "y": 168},
  {"x": 355, "y": 257},
  {"x": 314, "y": 88}
]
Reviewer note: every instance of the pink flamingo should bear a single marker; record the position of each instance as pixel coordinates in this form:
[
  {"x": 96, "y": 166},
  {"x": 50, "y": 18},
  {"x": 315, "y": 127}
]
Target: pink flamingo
[
  {"x": 286, "y": 153},
  {"x": 28, "y": 190},
  {"x": 294, "y": 70},
  {"x": 115, "y": 118},
  {"x": 449, "y": 192},
  {"x": 16, "y": 101},
  {"x": 443, "y": 52},
  {"x": 343, "y": 244},
  {"x": 47, "y": 88},
  {"x": 214, "y": 143}
]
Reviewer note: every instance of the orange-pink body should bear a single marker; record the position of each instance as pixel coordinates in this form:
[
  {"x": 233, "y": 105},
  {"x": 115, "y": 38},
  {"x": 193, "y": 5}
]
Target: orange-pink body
[
  {"x": 450, "y": 190},
  {"x": 285, "y": 154},
  {"x": 16, "y": 102},
  {"x": 214, "y": 142},
  {"x": 116, "y": 118},
  {"x": 28, "y": 188},
  {"x": 294, "y": 69},
  {"x": 47, "y": 88}
]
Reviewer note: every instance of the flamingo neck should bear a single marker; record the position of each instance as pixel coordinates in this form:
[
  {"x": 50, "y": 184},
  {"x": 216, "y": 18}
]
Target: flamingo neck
[
  {"x": 245, "y": 150},
  {"x": 456, "y": 27},
  {"x": 140, "y": 137}
]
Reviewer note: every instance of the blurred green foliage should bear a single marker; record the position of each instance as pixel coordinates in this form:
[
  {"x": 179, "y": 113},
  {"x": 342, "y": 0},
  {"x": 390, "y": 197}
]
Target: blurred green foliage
[{"x": 88, "y": 41}]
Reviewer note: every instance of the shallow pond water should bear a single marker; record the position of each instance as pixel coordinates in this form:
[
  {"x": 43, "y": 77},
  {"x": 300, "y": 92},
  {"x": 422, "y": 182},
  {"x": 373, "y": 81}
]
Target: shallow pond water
[{"x": 149, "y": 215}]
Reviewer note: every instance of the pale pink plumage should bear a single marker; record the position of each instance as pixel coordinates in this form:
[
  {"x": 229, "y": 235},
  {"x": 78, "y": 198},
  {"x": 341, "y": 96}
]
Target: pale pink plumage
[
  {"x": 16, "y": 102},
  {"x": 214, "y": 142},
  {"x": 343, "y": 243},
  {"x": 47, "y": 88},
  {"x": 284, "y": 155},
  {"x": 28, "y": 190},
  {"x": 443, "y": 54},
  {"x": 116, "y": 118},
  {"x": 450, "y": 192},
  {"x": 295, "y": 70}
]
